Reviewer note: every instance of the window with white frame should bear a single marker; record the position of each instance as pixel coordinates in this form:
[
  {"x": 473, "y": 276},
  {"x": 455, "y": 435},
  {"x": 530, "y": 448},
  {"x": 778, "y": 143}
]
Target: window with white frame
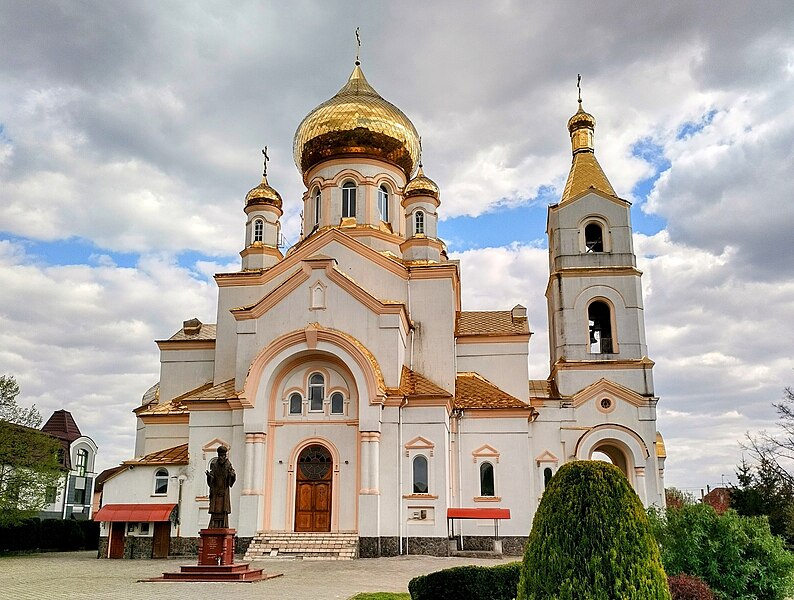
[
  {"x": 419, "y": 222},
  {"x": 420, "y": 474},
  {"x": 161, "y": 482},
  {"x": 383, "y": 203},
  {"x": 81, "y": 463},
  {"x": 295, "y": 404},
  {"x": 259, "y": 230},
  {"x": 337, "y": 403},
  {"x": 487, "y": 487},
  {"x": 316, "y": 392},
  {"x": 348, "y": 199},
  {"x": 317, "y": 199}
]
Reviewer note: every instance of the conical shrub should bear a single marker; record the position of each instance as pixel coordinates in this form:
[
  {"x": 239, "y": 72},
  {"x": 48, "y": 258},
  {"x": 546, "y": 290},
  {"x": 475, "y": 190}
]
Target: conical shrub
[{"x": 591, "y": 540}]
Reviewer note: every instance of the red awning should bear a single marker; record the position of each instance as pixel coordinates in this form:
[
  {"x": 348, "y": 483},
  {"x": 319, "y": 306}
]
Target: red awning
[
  {"x": 478, "y": 513},
  {"x": 138, "y": 513}
]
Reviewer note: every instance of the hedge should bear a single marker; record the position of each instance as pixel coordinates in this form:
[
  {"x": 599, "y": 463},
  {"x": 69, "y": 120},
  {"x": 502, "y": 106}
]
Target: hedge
[
  {"x": 468, "y": 583},
  {"x": 49, "y": 534}
]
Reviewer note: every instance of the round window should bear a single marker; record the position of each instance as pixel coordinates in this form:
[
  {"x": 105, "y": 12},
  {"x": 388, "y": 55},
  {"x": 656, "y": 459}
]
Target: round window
[{"x": 606, "y": 403}]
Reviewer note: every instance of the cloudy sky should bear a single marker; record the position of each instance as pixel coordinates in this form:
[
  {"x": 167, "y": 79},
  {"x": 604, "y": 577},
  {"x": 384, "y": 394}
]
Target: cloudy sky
[{"x": 131, "y": 131}]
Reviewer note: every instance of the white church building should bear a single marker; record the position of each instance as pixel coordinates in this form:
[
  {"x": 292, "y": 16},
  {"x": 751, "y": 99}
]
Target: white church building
[{"x": 357, "y": 398}]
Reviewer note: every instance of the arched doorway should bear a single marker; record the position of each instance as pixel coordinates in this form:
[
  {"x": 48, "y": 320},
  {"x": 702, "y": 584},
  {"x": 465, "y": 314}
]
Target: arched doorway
[
  {"x": 313, "y": 489},
  {"x": 611, "y": 452}
]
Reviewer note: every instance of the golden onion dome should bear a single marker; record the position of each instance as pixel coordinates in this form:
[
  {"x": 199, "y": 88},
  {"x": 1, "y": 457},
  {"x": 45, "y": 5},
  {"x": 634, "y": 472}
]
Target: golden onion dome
[
  {"x": 263, "y": 194},
  {"x": 356, "y": 121},
  {"x": 581, "y": 119},
  {"x": 421, "y": 185}
]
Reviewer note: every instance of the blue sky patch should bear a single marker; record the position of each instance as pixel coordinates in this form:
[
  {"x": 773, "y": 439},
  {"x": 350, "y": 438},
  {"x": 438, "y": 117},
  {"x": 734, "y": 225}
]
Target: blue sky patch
[{"x": 690, "y": 128}]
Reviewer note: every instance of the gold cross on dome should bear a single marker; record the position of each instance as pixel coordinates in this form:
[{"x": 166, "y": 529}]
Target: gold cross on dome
[{"x": 267, "y": 158}]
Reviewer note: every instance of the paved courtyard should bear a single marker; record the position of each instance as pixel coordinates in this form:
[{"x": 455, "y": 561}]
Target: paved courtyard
[{"x": 80, "y": 575}]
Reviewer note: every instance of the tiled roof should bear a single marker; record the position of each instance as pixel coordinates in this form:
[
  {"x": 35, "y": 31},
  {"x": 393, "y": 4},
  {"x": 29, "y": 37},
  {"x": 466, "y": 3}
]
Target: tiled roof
[
  {"x": 170, "y": 456},
  {"x": 62, "y": 425},
  {"x": 152, "y": 395},
  {"x": 222, "y": 391},
  {"x": 490, "y": 322},
  {"x": 543, "y": 388},
  {"x": 472, "y": 390},
  {"x": 585, "y": 174},
  {"x": 415, "y": 384},
  {"x": 207, "y": 332}
]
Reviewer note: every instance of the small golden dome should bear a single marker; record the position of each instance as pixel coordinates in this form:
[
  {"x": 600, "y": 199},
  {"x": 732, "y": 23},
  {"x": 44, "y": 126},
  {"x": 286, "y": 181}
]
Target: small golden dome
[
  {"x": 263, "y": 194},
  {"x": 581, "y": 119},
  {"x": 421, "y": 185},
  {"x": 356, "y": 121}
]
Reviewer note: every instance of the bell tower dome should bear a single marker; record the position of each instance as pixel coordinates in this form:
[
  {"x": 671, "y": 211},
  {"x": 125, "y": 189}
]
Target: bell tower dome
[{"x": 262, "y": 227}]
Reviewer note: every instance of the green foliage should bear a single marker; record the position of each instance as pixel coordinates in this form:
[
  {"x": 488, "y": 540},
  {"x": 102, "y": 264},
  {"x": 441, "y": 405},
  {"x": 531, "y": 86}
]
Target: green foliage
[
  {"x": 28, "y": 466},
  {"x": 763, "y": 490},
  {"x": 737, "y": 556},
  {"x": 689, "y": 587},
  {"x": 49, "y": 534},
  {"x": 591, "y": 540},
  {"x": 9, "y": 409},
  {"x": 467, "y": 583}
]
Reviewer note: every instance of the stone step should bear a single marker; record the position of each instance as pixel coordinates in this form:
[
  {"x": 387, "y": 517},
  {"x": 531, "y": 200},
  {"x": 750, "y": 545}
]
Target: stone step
[{"x": 303, "y": 545}]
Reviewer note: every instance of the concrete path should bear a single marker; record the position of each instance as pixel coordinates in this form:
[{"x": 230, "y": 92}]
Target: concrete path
[{"x": 81, "y": 576}]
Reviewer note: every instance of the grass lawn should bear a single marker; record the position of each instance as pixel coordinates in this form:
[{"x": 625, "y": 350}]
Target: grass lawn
[{"x": 381, "y": 596}]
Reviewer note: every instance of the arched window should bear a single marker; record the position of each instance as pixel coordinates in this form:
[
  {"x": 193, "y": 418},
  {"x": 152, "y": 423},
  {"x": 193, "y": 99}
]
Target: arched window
[
  {"x": 317, "y": 199},
  {"x": 486, "y": 479},
  {"x": 82, "y": 462},
  {"x": 593, "y": 238},
  {"x": 316, "y": 392},
  {"x": 420, "y": 475},
  {"x": 295, "y": 404},
  {"x": 600, "y": 324},
  {"x": 348, "y": 199},
  {"x": 547, "y": 474},
  {"x": 419, "y": 222},
  {"x": 383, "y": 203},
  {"x": 259, "y": 230},
  {"x": 161, "y": 482},
  {"x": 337, "y": 403}
]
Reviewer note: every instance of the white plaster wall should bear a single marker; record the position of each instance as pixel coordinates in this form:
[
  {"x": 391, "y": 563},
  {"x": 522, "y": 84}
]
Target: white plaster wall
[
  {"x": 503, "y": 364},
  {"x": 184, "y": 370},
  {"x": 433, "y": 311},
  {"x": 157, "y": 437}
]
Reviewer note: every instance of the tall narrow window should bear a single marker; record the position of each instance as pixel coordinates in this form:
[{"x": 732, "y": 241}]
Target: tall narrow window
[
  {"x": 383, "y": 203},
  {"x": 420, "y": 475},
  {"x": 295, "y": 404},
  {"x": 348, "y": 199},
  {"x": 316, "y": 392},
  {"x": 259, "y": 230},
  {"x": 486, "y": 479},
  {"x": 419, "y": 222},
  {"x": 82, "y": 462},
  {"x": 317, "y": 199},
  {"x": 161, "y": 482},
  {"x": 337, "y": 403},
  {"x": 547, "y": 474},
  {"x": 600, "y": 324},
  {"x": 593, "y": 238}
]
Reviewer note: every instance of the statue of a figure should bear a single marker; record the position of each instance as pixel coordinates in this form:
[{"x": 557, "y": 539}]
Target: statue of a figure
[{"x": 220, "y": 478}]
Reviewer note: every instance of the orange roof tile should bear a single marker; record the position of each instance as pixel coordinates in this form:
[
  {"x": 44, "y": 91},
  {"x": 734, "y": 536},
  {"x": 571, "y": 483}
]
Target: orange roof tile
[
  {"x": 177, "y": 455},
  {"x": 222, "y": 391},
  {"x": 415, "y": 384},
  {"x": 472, "y": 390},
  {"x": 543, "y": 388},
  {"x": 207, "y": 332},
  {"x": 490, "y": 322}
]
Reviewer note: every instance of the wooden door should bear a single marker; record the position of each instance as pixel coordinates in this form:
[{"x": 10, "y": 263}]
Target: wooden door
[
  {"x": 162, "y": 540},
  {"x": 313, "y": 490},
  {"x": 117, "y": 531}
]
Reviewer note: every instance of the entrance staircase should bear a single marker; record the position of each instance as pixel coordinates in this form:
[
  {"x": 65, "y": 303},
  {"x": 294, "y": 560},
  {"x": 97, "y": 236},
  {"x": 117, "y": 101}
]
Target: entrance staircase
[{"x": 342, "y": 545}]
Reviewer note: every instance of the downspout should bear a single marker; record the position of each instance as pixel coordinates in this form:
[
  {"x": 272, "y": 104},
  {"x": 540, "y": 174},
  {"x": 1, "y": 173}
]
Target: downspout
[{"x": 404, "y": 402}]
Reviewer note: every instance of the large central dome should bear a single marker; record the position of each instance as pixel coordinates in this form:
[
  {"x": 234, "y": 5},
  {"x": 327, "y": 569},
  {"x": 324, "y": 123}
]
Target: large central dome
[{"x": 356, "y": 121}]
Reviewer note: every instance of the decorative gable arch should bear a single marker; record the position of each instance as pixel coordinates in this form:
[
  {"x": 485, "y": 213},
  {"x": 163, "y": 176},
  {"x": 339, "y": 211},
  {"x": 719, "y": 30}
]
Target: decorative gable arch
[
  {"x": 485, "y": 451},
  {"x": 420, "y": 443}
]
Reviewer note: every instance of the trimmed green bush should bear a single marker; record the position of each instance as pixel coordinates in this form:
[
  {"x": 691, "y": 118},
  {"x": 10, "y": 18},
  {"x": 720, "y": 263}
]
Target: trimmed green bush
[
  {"x": 467, "y": 583},
  {"x": 737, "y": 556},
  {"x": 591, "y": 540},
  {"x": 49, "y": 534}
]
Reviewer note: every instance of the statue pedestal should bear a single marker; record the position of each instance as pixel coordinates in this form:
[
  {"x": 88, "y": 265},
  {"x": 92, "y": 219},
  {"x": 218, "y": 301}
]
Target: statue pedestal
[{"x": 216, "y": 547}]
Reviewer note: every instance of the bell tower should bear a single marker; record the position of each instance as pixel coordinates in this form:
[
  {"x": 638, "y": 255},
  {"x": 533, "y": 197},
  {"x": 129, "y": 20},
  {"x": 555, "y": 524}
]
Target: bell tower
[{"x": 594, "y": 292}]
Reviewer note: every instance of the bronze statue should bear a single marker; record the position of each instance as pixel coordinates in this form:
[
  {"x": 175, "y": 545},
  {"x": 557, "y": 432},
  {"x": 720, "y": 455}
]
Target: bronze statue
[{"x": 220, "y": 478}]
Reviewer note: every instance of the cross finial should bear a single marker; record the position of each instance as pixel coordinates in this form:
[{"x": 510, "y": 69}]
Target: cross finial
[
  {"x": 420, "y": 151},
  {"x": 267, "y": 158},
  {"x": 358, "y": 46},
  {"x": 579, "y": 86}
]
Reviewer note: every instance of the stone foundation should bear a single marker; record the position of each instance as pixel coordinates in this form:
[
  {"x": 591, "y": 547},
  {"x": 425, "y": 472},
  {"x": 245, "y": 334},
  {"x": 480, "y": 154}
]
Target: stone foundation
[
  {"x": 435, "y": 546},
  {"x": 141, "y": 547}
]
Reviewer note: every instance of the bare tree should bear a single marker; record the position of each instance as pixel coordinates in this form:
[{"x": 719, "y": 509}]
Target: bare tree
[{"x": 776, "y": 450}]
